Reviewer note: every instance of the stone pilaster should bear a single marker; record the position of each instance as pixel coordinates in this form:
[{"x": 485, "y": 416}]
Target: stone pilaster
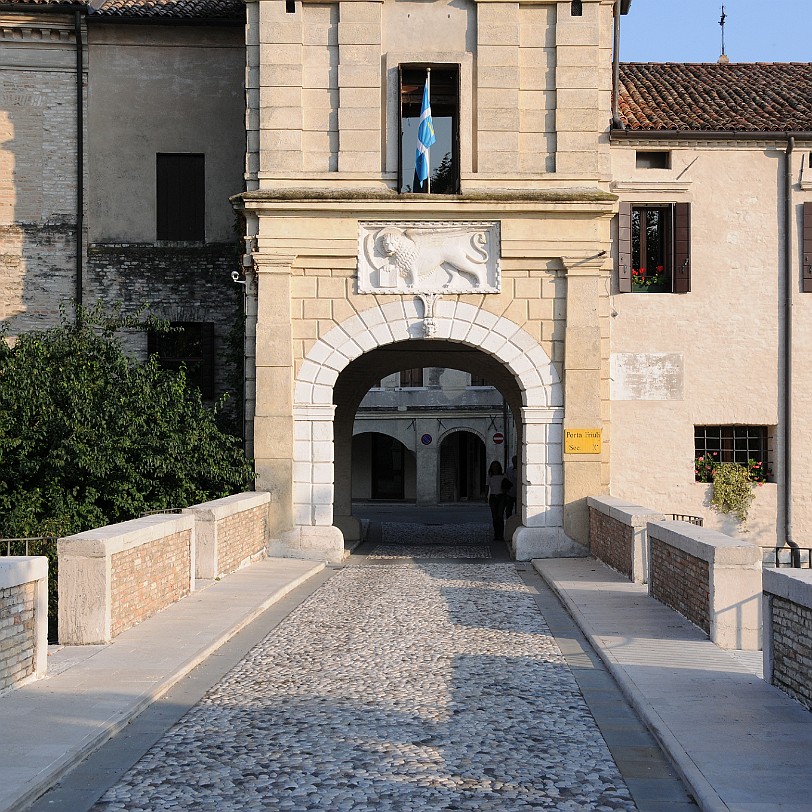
[
  {"x": 583, "y": 364},
  {"x": 359, "y": 82},
  {"x": 273, "y": 419}
]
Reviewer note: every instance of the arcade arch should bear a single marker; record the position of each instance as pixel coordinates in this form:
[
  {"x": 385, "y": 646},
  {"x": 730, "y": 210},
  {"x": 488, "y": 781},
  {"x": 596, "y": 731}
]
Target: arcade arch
[{"x": 344, "y": 363}]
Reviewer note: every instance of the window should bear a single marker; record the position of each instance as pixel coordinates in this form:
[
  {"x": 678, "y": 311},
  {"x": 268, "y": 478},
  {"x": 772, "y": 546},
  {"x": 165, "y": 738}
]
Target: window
[
  {"x": 653, "y": 160},
  {"x": 806, "y": 260},
  {"x": 577, "y": 8},
  {"x": 411, "y": 378},
  {"x": 190, "y": 345},
  {"x": 478, "y": 380},
  {"x": 654, "y": 248},
  {"x": 444, "y": 155},
  {"x": 180, "y": 202},
  {"x": 745, "y": 445}
]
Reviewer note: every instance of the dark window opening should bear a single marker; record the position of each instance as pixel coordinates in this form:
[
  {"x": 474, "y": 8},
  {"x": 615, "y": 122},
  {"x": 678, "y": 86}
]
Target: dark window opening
[
  {"x": 653, "y": 160},
  {"x": 444, "y": 154},
  {"x": 478, "y": 380},
  {"x": 654, "y": 248},
  {"x": 290, "y": 6},
  {"x": 745, "y": 445},
  {"x": 411, "y": 377},
  {"x": 576, "y": 8},
  {"x": 190, "y": 346},
  {"x": 181, "y": 195}
]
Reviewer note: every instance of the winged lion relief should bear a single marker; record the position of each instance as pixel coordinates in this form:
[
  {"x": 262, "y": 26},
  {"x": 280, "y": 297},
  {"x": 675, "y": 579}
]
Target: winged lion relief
[{"x": 428, "y": 257}]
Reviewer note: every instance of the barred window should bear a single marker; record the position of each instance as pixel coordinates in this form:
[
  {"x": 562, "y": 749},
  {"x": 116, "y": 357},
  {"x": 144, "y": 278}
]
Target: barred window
[
  {"x": 190, "y": 346},
  {"x": 732, "y": 443}
]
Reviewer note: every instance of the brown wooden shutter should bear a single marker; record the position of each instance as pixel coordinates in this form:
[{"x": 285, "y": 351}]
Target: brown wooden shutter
[
  {"x": 806, "y": 253},
  {"x": 624, "y": 250},
  {"x": 682, "y": 247}
]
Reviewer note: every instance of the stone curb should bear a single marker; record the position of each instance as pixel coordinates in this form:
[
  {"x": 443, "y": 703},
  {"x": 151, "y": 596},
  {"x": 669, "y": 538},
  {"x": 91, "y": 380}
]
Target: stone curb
[{"x": 703, "y": 792}]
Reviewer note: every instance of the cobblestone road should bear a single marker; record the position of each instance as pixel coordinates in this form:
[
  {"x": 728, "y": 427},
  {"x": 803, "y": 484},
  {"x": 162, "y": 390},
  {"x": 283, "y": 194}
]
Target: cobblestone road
[{"x": 399, "y": 685}]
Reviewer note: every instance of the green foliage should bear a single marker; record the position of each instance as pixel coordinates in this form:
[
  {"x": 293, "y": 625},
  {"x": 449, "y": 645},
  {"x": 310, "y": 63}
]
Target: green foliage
[
  {"x": 89, "y": 437},
  {"x": 732, "y": 490}
]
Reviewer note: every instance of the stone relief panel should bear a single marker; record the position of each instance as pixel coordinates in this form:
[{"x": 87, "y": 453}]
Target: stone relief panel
[{"x": 428, "y": 257}]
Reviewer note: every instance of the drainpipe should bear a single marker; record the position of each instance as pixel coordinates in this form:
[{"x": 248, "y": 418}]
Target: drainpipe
[
  {"x": 80, "y": 160},
  {"x": 617, "y": 124},
  {"x": 787, "y": 366}
]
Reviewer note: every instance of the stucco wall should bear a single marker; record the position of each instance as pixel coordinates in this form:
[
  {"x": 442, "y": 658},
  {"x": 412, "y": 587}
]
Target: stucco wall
[{"x": 721, "y": 339}]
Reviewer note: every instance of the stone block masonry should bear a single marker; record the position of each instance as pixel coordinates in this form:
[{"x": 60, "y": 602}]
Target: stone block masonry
[
  {"x": 712, "y": 579},
  {"x": 230, "y": 532},
  {"x": 788, "y": 632},
  {"x": 23, "y": 619}
]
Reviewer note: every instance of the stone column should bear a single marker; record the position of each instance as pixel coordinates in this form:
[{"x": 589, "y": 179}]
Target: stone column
[
  {"x": 359, "y": 83},
  {"x": 583, "y": 365},
  {"x": 342, "y": 502},
  {"x": 427, "y": 459},
  {"x": 273, "y": 418}
]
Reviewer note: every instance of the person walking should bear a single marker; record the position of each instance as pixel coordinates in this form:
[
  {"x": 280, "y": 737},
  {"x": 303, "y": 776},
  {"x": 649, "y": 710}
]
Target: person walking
[
  {"x": 510, "y": 496},
  {"x": 496, "y": 500}
]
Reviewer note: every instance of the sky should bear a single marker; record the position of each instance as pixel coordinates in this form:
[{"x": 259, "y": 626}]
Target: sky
[{"x": 689, "y": 31}]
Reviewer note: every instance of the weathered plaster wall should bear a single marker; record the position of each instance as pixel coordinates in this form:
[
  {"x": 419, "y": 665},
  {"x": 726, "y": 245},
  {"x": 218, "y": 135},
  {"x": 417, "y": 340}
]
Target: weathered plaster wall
[{"x": 711, "y": 356}]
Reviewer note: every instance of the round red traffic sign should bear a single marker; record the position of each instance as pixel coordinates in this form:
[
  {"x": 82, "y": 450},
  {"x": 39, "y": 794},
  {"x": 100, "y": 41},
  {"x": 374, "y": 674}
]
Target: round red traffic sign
[{"x": 498, "y": 438}]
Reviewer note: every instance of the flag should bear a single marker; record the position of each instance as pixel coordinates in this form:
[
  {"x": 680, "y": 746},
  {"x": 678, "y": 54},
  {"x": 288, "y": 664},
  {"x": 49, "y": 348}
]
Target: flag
[{"x": 425, "y": 138}]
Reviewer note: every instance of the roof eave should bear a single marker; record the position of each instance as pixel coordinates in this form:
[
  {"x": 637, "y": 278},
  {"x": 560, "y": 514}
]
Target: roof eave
[{"x": 708, "y": 135}]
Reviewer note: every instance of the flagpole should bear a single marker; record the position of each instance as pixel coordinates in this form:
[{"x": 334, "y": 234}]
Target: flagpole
[{"x": 428, "y": 151}]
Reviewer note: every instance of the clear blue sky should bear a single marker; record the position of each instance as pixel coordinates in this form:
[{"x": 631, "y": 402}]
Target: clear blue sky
[{"x": 688, "y": 31}]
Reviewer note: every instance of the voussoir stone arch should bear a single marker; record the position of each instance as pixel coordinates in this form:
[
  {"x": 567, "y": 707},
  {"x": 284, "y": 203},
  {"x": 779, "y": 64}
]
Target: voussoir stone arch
[
  {"x": 399, "y": 321},
  {"x": 457, "y": 429},
  {"x": 458, "y": 322}
]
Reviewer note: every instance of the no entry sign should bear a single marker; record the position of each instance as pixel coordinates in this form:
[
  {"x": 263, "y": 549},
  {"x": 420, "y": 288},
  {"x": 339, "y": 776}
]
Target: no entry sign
[{"x": 498, "y": 438}]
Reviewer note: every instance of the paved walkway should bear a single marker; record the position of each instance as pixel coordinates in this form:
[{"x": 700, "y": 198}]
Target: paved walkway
[{"x": 408, "y": 681}]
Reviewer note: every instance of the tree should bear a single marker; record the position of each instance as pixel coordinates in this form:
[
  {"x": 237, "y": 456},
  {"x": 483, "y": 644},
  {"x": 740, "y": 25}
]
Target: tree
[{"x": 89, "y": 436}]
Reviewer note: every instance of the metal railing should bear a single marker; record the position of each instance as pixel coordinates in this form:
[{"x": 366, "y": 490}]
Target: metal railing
[
  {"x": 24, "y": 544},
  {"x": 684, "y": 517},
  {"x": 793, "y": 556}
]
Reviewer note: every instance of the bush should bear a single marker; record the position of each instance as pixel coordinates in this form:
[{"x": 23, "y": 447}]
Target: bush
[{"x": 89, "y": 437}]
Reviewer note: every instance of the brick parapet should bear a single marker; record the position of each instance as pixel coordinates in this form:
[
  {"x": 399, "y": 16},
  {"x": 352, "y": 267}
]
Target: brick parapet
[
  {"x": 788, "y": 632},
  {"x": 618, "y": 535},
  {"x": 712, "y": 579},
  {"x": 230, "y": 532},
  {"x": 23, "y": 619},
  {"x": 115, "y": 576}
]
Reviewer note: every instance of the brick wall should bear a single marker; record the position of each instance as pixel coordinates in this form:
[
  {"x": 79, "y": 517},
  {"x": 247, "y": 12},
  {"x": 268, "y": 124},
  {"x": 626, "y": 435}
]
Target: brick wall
[
  {"x": 241, "y": 536},
  {"x": 149, "y": 577},
  {"x": 680, "y": 581},
  {"x": 17, "y": 633},
  {"x": 611, "y": 541},
  {"x": 792, "y": 649}
]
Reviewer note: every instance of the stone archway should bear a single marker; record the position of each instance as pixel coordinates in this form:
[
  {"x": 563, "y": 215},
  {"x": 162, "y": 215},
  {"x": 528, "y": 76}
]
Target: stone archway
[{"x": 541, "y": 531}]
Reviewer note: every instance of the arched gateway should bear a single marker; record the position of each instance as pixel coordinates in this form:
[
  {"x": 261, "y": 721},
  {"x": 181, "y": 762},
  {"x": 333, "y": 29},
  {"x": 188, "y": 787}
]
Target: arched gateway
[{"x": 539, "y": 421}]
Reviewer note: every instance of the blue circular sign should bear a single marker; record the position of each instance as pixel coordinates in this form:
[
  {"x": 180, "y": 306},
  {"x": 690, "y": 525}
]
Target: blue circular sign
[{"x": 426, "y": 439}]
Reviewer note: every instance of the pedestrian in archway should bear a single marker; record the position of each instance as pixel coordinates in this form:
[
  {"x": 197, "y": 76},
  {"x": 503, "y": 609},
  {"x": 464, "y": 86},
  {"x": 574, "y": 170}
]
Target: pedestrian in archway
[
  {"x": 510, "y": 496},
  {"x": 496, "y": 499}
]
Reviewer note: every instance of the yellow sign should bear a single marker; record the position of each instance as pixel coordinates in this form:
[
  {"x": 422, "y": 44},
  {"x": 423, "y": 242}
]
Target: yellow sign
[{"x": 582, "y": 441}]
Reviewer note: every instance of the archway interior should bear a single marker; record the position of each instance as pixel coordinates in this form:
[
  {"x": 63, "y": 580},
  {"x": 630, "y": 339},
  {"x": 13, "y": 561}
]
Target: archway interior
[{"x": 368, "y": 370}]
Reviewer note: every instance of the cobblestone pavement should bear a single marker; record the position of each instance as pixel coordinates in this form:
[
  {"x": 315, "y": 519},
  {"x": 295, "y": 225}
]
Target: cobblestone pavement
[{"x": 410, "y": 685}]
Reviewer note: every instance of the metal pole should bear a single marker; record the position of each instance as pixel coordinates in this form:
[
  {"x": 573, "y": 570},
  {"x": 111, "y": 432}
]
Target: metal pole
[{"x": 428, "y": 149}]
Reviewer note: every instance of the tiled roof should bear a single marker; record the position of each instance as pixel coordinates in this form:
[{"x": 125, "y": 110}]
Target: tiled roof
[
  {"x": 172, "y": 9},
  {"x": 739, "y": 96}
]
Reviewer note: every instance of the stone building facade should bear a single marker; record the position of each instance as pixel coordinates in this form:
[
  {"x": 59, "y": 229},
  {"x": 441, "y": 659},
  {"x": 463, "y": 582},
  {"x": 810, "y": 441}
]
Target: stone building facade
[{"x": 621, "y": 350}]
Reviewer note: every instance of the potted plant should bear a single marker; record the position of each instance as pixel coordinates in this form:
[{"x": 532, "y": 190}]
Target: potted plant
[
  {"x": 644, "y": 281},
  {"x": 731, "y": 483}
]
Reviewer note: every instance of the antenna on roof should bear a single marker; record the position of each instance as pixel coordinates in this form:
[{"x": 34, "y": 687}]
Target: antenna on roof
[{"x": 723, "y": 58}]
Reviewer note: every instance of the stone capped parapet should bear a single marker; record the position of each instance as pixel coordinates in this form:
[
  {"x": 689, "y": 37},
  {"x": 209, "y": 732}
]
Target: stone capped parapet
[
  {"x": 23, "y": 619},
  {"x": 230, "y": 532},
  {"x": 787, "y": 610},
  {"x": 113, "y": 577},
  {"x": 710, "y": 578}
]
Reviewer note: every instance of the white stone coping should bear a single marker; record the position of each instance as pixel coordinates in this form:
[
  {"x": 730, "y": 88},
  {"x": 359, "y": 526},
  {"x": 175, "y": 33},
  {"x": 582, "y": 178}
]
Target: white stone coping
[
  {"x": 792, "y": 584},
  {"x": 624, "y": 511},
  {"x": 707, "y": 545},
  {"x": 22, "y": 569},
  {"x": 115, "y": 538},
  {"x": 229, "y": 505}
]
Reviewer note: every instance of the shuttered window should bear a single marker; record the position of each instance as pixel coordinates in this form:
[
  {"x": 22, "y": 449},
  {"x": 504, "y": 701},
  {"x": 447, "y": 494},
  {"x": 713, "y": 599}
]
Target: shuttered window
[
  {"x": 189, "y": 344},
  {"x": 181, "y": 196},
  {"x": 654, "y": 244},
  {"x": 806, "y": 254},
  {"x": 411, "y": 377}
]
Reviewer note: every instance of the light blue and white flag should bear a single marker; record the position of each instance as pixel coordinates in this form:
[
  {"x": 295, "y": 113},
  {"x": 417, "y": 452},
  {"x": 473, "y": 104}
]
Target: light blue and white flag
[{"x": 425, "y": 138}]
